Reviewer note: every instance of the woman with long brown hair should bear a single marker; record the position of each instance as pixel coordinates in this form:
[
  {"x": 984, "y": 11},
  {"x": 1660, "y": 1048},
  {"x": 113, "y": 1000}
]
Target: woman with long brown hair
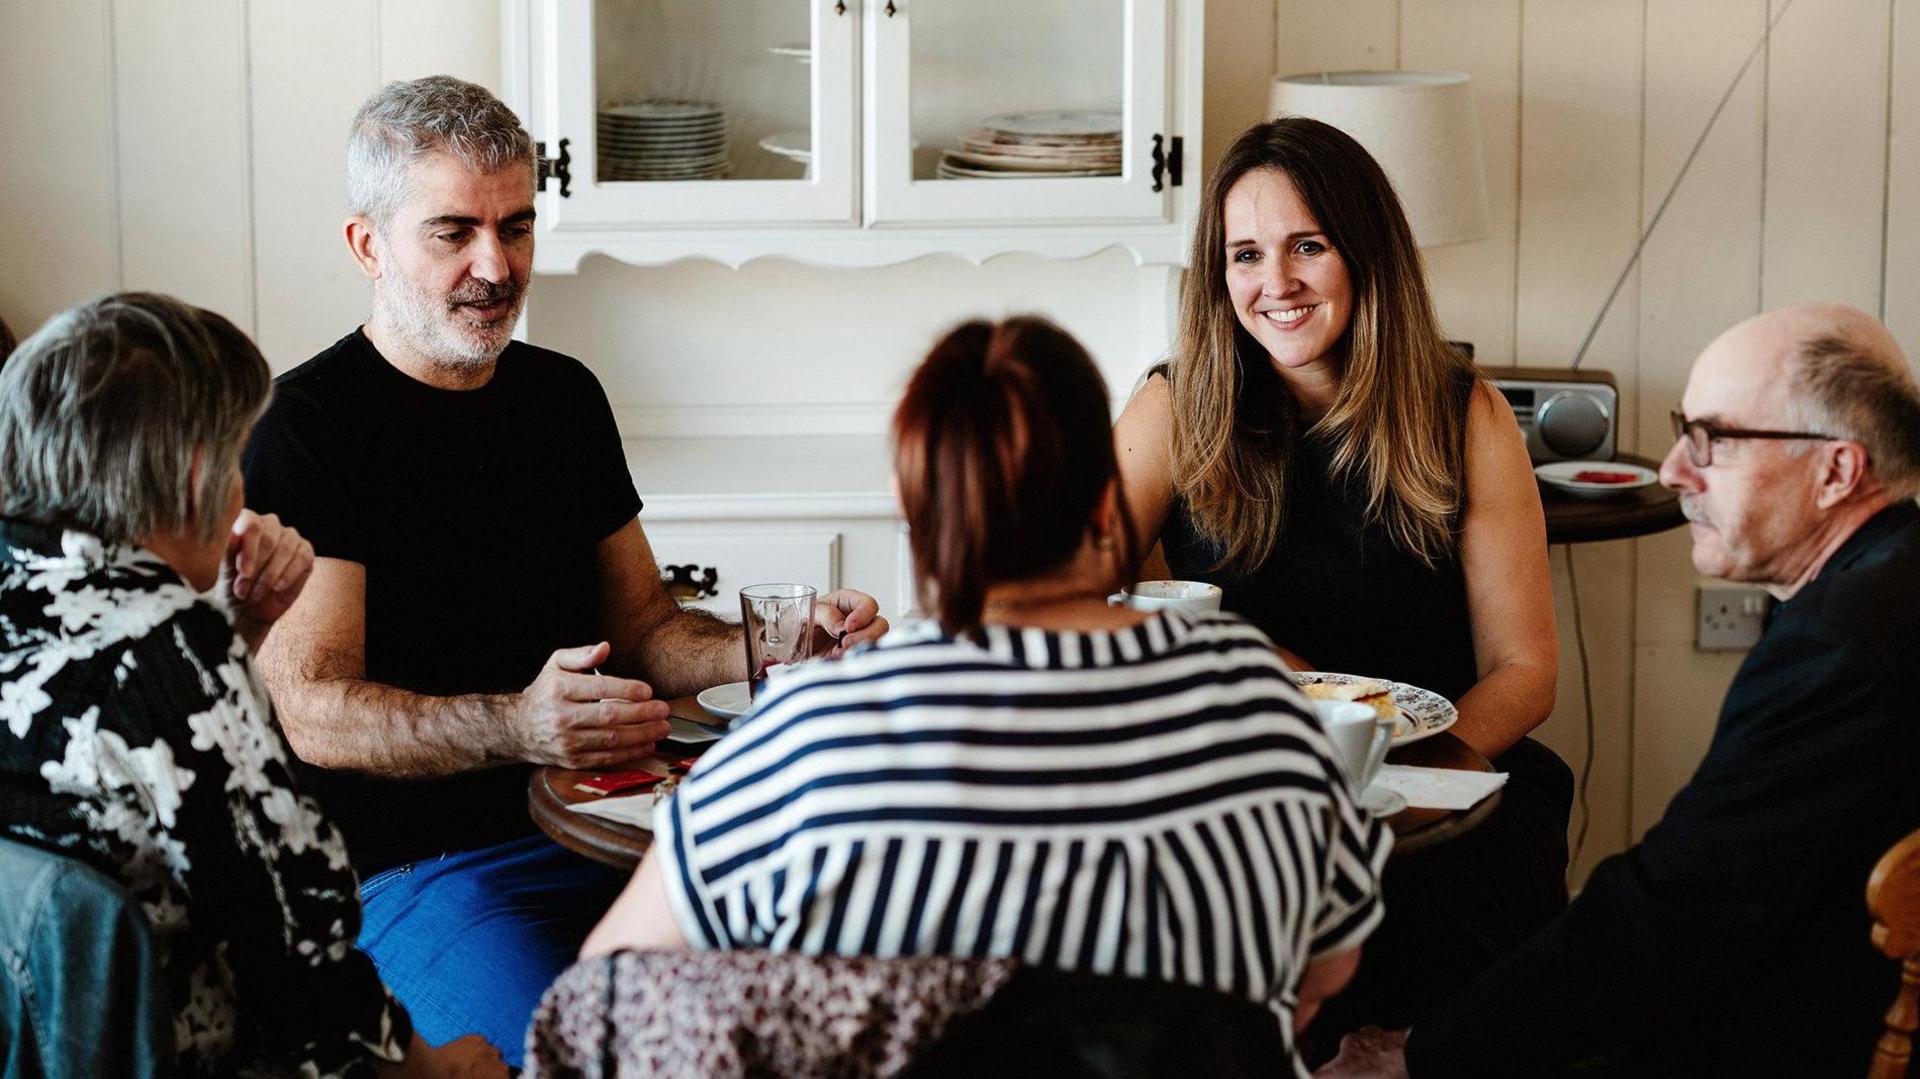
[
  {"x": 1317, "y": 449},
  {"x": 1032, "y": 773}
]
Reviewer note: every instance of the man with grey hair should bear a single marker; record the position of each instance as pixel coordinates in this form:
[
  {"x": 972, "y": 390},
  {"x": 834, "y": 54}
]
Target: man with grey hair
[
  {"x": 479, "y": 564},
  {"x": 1733, "y": 940}
]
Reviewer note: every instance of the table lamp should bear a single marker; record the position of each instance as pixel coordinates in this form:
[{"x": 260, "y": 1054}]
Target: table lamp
[{"x": 1420, "y": 126}]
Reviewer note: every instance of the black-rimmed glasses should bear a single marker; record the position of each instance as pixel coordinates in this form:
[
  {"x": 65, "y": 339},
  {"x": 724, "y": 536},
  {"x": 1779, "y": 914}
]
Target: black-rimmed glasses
[{"x": 1699, "y": 436}]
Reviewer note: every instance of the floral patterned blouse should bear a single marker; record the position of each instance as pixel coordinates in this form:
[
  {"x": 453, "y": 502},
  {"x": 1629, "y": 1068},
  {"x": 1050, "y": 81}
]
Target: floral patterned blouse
[{"x": 135, "y": 736}]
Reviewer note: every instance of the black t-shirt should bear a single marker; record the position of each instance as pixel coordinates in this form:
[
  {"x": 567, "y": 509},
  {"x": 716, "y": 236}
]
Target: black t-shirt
[{"x": 477, "y": 515}]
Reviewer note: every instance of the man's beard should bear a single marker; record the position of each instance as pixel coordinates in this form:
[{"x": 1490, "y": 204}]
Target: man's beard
[{"x": 439, "y": 328}]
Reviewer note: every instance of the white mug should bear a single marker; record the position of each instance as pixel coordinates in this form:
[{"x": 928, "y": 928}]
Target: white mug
[
  {"x": 1158, "y": 595},
  {"x": 1360, "y": 738}
]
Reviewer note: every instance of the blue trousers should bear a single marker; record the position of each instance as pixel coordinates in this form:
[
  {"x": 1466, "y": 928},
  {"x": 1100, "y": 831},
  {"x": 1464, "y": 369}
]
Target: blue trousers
[{"x": 469, "y": 941}]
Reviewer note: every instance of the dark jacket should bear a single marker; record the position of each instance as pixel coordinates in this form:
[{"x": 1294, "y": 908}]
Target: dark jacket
[
  {"x": 80, "y": 991},
  {"x": 1733, "y": 939}
]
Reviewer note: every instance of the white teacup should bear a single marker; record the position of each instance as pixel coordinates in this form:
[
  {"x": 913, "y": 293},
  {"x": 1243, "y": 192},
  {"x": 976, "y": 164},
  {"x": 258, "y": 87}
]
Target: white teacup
[
  {"x": 1158, "y": 595},
  {"x": 1360, "y": 738}
]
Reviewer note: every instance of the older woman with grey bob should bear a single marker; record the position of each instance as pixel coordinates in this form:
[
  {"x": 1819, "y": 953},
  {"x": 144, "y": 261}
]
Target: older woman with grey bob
[{"x": 135, "y": 735}]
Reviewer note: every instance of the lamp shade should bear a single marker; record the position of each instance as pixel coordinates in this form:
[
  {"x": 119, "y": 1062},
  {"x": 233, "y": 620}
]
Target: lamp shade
[{"x": 1420, "y": 126}]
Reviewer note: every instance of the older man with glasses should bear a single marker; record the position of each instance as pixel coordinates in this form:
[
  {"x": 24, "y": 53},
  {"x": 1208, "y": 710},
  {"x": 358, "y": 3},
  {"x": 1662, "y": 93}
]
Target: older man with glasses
[{"x": 1733, "y": 940}]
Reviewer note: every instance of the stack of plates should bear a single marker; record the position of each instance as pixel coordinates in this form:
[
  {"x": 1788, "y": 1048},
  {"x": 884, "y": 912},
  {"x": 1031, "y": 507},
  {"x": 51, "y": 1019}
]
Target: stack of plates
[
  {"x": 1037, "y": 144},
  {"x": 663, "y": 140}
]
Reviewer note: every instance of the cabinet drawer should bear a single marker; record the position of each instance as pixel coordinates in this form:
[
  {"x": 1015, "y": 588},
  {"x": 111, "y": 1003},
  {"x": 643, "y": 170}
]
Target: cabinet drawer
[{"x": 741, "y": 556}]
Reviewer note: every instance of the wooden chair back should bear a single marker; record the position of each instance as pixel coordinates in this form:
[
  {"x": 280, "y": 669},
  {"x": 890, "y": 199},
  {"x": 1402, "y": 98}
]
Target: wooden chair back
[{"x": 1893, "y": 898}]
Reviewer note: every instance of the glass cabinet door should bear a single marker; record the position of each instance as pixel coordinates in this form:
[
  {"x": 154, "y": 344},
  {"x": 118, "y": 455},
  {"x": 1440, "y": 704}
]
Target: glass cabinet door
[
  {"x": 980, "y": 111},
  {"x": 695, "y": 112}
]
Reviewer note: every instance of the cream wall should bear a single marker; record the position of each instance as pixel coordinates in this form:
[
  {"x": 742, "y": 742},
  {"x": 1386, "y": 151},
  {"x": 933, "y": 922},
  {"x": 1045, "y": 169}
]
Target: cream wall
[{"x": 195, "y": 147}]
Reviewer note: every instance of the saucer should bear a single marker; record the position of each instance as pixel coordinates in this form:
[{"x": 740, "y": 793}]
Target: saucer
[
  {"x": 1381, "y": 801},
  {"x": 727, "y": 701}
]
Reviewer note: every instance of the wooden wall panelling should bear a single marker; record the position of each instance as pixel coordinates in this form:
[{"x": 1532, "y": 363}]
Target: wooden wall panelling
[
  {"x": 180, "y": 91},
  {"x": 1699, "y": 274},
  {"x": 1579, "y": 215},
  {"x": 1240, "y": 56},
  {"x": 57, "y": 174},
  {"x": 1826, "y": 154},
  {"x": 1313, "y": 35},
  {"x": 441, "y": 37},
  {"x": 1901, "y": 287},
  {"x": 1473, "y": 283},
  {"x": 313, "y": 64}
]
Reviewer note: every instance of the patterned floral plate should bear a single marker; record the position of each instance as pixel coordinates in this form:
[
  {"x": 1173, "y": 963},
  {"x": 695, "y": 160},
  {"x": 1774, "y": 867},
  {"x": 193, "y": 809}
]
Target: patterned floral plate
[{"x": 1422, "y": 711}]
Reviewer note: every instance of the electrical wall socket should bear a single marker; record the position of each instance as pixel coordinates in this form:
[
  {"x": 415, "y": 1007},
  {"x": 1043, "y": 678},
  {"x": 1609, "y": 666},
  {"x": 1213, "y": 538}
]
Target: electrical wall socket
[{"x": 1730, "y": 617}]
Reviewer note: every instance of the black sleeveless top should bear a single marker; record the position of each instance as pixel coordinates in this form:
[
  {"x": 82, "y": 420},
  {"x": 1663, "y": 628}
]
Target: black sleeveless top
[{"x": 1339, "y": 592}]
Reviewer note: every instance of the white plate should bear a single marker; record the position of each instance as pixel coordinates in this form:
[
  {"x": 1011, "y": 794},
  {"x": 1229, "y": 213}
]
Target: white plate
[
  {"x": 667, "y": 162},
  {"x": 1563, "y": 476},
  {"x": 948, "y": 170},
  {"x": 687, "y": 732},
  {"x": 792, "y": 145},
  {"x": 727, "y": 701},
  {"x": 1073, "y": 125},
  {"x": 659, "y": 111},
  {"x": 1007, "y": 163},
  {"x": 649, "y": 142},
  {"x": 1381, "y": 801},
  {"x": 1423, "y": 712}
]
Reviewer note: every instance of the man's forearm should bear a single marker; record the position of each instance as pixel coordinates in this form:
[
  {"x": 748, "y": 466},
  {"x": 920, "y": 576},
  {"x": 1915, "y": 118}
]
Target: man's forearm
[
  {"x": 363, "y": 726},
  {"x": 688, "y": 652}
]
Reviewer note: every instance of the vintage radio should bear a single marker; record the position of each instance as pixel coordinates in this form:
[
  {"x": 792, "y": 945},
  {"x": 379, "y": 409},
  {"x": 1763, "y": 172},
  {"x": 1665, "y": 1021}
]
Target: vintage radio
[{"x": 1567, "y": 415}]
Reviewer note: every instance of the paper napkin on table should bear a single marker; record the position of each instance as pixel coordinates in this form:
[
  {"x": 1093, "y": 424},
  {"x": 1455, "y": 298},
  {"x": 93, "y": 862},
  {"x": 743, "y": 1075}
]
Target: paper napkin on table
[
  {"x": 1439, "y": 788},
  {"x": 634, "y": 809}
]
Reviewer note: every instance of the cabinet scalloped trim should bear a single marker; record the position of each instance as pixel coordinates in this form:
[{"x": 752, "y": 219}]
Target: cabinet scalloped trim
[{"x": 849, "y": 248}]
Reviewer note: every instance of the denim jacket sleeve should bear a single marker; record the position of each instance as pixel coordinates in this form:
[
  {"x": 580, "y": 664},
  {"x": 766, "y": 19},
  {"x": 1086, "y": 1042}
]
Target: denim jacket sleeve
[{"x": 82, "y": 994}]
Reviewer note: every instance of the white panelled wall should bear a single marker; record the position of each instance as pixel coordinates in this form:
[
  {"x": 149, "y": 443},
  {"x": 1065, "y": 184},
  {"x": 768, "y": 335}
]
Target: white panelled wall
[{"x": 195, "y": 147}]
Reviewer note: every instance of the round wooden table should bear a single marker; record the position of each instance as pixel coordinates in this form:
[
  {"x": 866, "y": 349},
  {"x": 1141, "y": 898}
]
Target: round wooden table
[
  {"x": 1416, "y": 829},
  {"x": 552, "y": 790},
  {"x": 1617, "y": 515}
]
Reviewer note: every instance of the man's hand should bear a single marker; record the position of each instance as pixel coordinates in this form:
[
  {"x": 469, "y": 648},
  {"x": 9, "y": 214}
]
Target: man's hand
[
  {"x": 1369, "y": 1053},
  {"x": 267, "y": 565},
  {"x": 577, "y": 719},
  {"x": 844, "y": 618}
]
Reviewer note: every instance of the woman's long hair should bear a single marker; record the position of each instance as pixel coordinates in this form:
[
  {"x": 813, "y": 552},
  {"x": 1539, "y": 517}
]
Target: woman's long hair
[
  {"x": 1397, "y": 423},
  {"x": 1003, "y": 452}
]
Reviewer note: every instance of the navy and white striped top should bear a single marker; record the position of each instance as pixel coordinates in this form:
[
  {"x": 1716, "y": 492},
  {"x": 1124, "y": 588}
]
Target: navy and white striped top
[{"x": 1155, "y": 801}]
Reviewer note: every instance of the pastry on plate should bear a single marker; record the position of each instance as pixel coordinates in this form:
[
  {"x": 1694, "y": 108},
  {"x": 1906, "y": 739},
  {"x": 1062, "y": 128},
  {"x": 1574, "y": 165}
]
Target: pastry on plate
[{"x": 1377, "y": 695}]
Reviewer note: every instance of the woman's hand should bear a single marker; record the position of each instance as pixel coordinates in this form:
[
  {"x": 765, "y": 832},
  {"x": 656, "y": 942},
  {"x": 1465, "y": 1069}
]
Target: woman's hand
[
  {"x": 266, "y": 567},
  {"x": 471, "y": 1057},
  {"x": 845, "y": 618},
  {"x": 1369, "y": 1053}
]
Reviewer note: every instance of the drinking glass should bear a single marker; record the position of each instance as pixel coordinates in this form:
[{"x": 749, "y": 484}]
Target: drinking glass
[{"x": 777, "y": 620}]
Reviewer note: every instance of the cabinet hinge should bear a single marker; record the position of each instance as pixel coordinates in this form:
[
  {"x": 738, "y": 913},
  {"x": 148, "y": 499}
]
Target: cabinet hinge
[
  {"x": 1168, "y": 161},
  {"x": 558, "y": 168}
]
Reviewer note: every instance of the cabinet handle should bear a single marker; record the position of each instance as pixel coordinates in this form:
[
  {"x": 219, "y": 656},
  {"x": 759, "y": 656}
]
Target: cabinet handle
[
  {"x": 839, "y": 7},
  {"x": 690, "y": 582},
  {"x": 890, "y": 9}
]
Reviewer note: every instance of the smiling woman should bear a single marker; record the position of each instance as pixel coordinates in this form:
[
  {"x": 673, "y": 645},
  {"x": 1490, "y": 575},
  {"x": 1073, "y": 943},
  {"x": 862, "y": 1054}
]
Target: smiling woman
[{"x": 1317, "y": 449}]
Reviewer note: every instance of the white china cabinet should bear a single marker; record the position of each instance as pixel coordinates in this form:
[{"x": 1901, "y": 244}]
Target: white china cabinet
[
  {"x": 844, "y": 133},
  {"x": 859, "y": 132}
]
